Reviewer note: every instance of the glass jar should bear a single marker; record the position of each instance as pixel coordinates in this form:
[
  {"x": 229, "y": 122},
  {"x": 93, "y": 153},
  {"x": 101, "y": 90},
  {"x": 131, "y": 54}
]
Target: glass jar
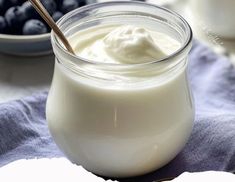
[{"x": 121, "y": 120}]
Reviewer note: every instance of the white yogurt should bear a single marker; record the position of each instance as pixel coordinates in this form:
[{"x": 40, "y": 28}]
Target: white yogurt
[
  {"x": 118, "y": 113},
  {"x": 119, "y": 130},
  {"x": 125, "y": 44}
]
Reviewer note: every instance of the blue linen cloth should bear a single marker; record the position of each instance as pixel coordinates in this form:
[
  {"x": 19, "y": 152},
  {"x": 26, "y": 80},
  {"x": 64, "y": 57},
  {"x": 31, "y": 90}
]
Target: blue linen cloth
[{"x": 24, "y": 132}]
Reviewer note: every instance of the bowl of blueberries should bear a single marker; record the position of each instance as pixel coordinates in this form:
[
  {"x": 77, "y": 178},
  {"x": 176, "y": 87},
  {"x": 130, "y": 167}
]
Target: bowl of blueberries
[{"x": 24, "y": 32}]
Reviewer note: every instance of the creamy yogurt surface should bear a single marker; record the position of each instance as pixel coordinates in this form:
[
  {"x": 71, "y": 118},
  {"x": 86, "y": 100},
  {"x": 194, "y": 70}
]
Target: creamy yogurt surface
[{"x": 123, "y": 44}]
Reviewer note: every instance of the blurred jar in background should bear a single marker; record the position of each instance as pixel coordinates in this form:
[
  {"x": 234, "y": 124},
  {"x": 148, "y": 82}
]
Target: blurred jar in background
[{"x": 218, "y": 15}]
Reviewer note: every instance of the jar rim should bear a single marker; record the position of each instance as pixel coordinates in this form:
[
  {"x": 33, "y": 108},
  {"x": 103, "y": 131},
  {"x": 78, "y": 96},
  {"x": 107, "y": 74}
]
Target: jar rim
[{"x": 185, "y": 46}]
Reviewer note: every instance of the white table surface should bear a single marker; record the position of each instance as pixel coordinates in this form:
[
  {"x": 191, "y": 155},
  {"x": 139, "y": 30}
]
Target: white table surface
[{"x": 22, "y": 76}]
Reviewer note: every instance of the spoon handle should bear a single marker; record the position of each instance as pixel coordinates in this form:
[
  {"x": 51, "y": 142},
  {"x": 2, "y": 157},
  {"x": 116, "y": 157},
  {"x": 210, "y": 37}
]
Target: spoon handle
[{"x": 46, "y": 16}]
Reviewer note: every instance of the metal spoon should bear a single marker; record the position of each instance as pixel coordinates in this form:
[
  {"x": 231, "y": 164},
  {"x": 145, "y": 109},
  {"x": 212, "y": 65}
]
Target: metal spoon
[{"x": 46, "y": 16}]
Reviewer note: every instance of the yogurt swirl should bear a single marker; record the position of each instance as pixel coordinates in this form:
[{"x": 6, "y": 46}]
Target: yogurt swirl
[{"x": 126, "y": 44}]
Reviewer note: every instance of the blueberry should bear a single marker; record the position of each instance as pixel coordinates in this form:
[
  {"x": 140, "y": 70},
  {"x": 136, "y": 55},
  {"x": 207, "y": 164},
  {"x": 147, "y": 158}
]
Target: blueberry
[
  {"x": 69, "y": 5},
  {"x": 3, "y": 25},
  {"x": 57, "y": 15},
  {"x": 34, "y": 27},
  {"x": 59, "y": 3},
  {"x": 4, "y": 5},
  {"x": 50, "y": 6},
  {"x": 15, "y": 19},
  {"x": 29, "y": 11},
  {"x": 15, "y": 2},
  {"x": 82, "y": 2}
]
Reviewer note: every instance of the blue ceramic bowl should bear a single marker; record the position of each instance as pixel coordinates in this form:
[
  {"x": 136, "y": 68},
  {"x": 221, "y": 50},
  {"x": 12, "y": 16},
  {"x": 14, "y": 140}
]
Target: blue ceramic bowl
[
  {"x": 28, "y": 45},
  {"x": 32, "y": 45}
]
